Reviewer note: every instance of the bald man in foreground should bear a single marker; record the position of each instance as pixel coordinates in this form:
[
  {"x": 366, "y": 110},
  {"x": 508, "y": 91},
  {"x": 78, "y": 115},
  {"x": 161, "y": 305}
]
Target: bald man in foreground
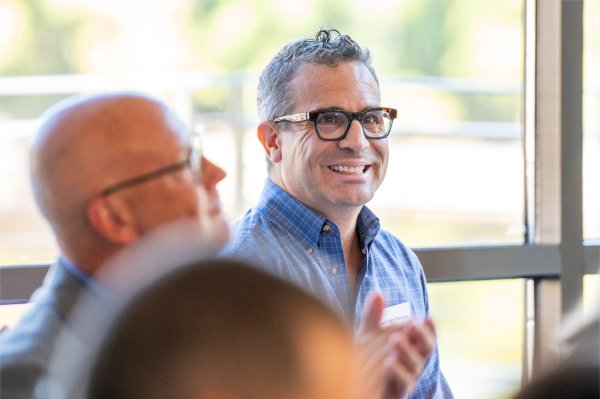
[{"x": 105, "y": 171}]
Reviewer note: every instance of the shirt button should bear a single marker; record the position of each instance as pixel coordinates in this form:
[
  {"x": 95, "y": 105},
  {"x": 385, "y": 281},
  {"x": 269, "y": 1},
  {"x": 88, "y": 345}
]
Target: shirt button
[
  {"x": 309, "y": 250},
  {"x": 334, "y": 270},
  {"x": 364, "y": 250},
  {"x": 327, "y": 228}
]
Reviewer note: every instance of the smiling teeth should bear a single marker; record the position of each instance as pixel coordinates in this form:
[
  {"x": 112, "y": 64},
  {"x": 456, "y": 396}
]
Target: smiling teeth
[{"x": 348, "y": 169}]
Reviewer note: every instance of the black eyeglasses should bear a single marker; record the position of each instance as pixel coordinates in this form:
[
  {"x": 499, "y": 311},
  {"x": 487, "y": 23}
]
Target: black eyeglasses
[
  {"x": 193, "y": 161},
  {"x": 333, "y": 125}
]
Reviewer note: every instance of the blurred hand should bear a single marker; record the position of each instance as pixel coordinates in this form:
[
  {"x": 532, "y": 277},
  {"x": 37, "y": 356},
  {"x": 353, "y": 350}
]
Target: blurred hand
[{"x": 390, "y": 359}]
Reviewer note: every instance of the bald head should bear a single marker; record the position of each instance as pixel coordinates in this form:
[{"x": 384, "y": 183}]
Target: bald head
[{"x": 89, "y": 143}]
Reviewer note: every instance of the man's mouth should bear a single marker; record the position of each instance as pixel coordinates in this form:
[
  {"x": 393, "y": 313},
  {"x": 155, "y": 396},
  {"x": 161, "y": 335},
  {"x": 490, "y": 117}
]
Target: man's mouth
[{"x": 349, "y": 170}]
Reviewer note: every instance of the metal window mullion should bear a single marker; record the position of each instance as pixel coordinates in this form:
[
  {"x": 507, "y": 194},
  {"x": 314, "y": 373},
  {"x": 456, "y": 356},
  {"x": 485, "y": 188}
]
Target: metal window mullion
[
  {"x": 559, "y": 143},
  {"x": 571, "y": 148},
  {"x": 557, "y": 164}
]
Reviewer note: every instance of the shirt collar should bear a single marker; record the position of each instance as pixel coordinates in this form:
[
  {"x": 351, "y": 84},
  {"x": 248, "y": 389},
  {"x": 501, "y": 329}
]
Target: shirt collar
[
  {"x": 85, "y": 279},
  {"x": 287, "y": 211},
  {"x": 290, "y": 213},
  {"x": 367, "y": 226},
  {"x": 74, "y": 270}
]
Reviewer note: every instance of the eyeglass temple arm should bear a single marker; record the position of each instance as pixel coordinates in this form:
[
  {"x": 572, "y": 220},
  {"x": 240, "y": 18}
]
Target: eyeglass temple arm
[{"x": 301, "y": 117}]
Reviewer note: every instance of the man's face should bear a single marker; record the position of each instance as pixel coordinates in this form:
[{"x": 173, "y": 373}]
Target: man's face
[
  {"x": 178, "y": 195},
  {"x": 332, "y": 176}
]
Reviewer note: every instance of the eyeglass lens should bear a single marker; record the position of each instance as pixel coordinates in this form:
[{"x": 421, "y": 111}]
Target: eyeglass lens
[
  {"x": 196, "y": 155},
  {"x": 333, "y": 124}
]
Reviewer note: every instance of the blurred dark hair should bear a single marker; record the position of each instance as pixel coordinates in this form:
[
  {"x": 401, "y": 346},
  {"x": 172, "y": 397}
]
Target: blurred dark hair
[
  {"x": 581, "y": 381},
  {"x": 219, "y": 324}
]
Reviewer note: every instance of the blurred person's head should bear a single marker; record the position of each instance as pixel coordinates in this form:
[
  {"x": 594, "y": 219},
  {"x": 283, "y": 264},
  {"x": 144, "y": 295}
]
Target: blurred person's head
[
  {"x": 223, "y": 329},
  {"x": 581, "y": 381},
  {"x": 309, "y": 97},
  {"x": 578, "y": 373},
  {"x": 107, "y": 169}
]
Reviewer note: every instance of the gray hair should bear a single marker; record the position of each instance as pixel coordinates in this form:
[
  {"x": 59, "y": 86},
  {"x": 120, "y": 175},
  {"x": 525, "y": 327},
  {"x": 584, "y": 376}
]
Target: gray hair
[{"x": 329, "y": 47}]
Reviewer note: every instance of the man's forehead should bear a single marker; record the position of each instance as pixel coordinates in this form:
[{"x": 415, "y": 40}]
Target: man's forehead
[
  {"x": 130, "y": 134},
  {"x": 324, "y": 86},
  {"x": 310, "y": 72}
]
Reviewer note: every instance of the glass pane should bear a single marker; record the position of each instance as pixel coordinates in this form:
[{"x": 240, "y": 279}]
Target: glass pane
[
  {"x": 480, "y": 327},
  {"x": 455, "y": 173},
  {"x": 456, "y": 164},
  {"x": 591, "y": 293},
  {"x": 24, "y": 237},
  {"x": 591, "y": 121}
]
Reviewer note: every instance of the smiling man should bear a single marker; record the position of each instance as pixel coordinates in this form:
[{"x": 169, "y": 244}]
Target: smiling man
[{"x": 324, "y": 131}]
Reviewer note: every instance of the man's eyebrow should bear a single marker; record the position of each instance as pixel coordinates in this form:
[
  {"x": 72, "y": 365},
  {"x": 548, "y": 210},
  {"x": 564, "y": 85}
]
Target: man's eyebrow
[{"x": 333, "y": 108}]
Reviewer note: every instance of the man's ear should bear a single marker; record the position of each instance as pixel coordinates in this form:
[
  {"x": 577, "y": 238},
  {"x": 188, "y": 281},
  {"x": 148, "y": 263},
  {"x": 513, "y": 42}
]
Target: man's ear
[
  {"x": 113, "y": 219},
  {"x": 268, "y": 134}
]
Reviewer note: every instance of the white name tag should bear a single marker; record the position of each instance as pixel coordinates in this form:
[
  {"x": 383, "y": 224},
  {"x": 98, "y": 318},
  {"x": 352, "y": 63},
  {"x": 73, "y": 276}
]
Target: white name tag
[{"x": 395, "y": 314}]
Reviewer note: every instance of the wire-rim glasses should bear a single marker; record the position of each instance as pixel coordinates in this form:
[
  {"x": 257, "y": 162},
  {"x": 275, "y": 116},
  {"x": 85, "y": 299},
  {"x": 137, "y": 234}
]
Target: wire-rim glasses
[{"x": 193, "y": 161}]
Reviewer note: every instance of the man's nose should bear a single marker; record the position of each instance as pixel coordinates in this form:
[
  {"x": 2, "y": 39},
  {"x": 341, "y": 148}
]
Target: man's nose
[
  {"x": 211, "y": 174},
  {"x": 355, "y": 138}
]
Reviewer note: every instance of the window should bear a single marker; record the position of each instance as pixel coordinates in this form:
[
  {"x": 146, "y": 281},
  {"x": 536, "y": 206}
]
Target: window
[
  {"x": 591, "y": 293},
  {"x": 481, "y": 335}
]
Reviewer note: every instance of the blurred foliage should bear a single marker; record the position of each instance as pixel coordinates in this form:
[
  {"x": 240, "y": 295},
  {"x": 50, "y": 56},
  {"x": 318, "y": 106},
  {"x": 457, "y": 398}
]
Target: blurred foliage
[
  {"x": 407, "y": 38},
  {"x": 422, "y": 38},
  {"x": 28, "y": 107},
  {"x": 242, "y": 36},
  {"x": 478, "y": 107},
  {"x": 413, "y": 37},
  {"x": 47, "y": 44},
  {"x": 210, "y": 99}
]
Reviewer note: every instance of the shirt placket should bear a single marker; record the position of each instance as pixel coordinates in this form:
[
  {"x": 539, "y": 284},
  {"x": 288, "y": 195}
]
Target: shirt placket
[
  {"x": 334, "y": 267},
  {"x": 362, "y": 285}
]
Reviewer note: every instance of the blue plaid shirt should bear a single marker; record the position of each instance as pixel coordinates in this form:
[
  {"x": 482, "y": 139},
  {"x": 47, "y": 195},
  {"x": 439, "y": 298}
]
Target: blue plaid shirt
[{"x": 287, "y": 238}]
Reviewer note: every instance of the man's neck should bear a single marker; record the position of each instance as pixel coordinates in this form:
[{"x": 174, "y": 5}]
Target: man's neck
[
  {"x": 353, "y": 256},
  {"x": 344, "y": 218}
]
